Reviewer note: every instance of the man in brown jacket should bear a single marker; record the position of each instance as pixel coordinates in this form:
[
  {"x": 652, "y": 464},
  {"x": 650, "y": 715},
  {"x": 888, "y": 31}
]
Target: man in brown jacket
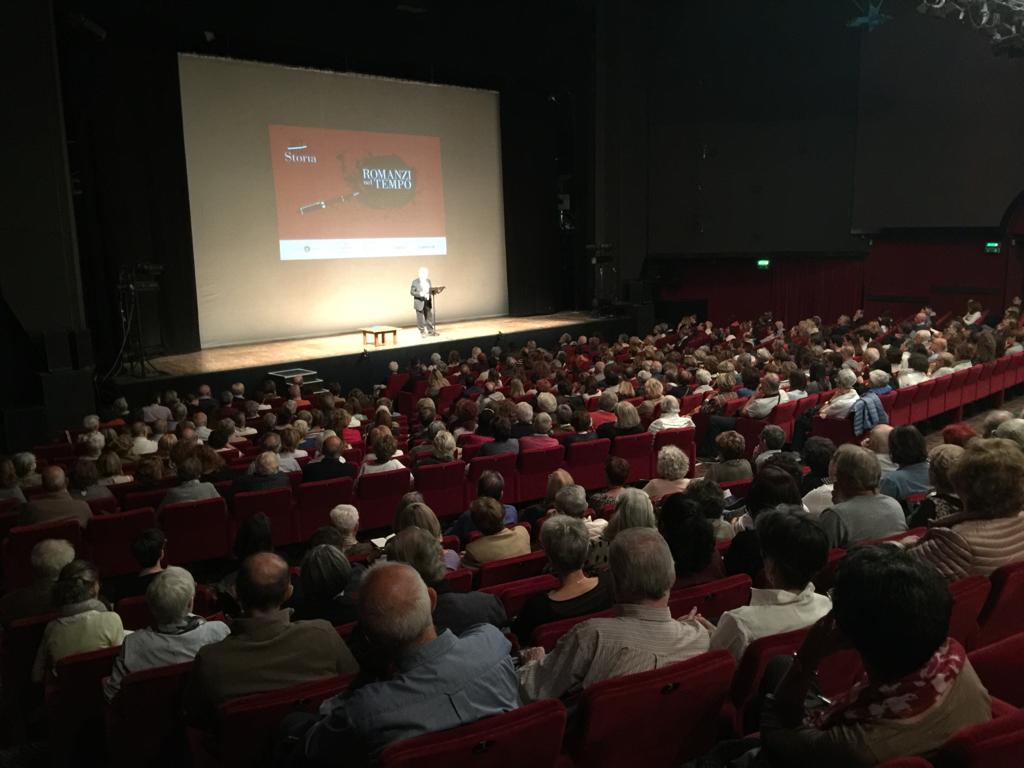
[
  {"x": 265, "y": 651},
  {"x": 56, "y": 503}
]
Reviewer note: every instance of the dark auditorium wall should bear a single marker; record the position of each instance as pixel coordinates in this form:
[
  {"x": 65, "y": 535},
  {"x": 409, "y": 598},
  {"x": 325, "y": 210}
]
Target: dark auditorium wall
[
  {"x": 941, "y": 122},
  {"x": 732, "y": 128}
]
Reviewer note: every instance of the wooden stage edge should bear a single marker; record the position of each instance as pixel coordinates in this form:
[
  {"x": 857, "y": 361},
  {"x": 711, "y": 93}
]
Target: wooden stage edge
[{"x": 268, "y": 354}]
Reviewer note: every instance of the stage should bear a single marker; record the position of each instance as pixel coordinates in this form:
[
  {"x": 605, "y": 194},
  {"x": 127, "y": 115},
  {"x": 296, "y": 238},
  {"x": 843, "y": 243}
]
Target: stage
[{"x": 345, "y": 358}]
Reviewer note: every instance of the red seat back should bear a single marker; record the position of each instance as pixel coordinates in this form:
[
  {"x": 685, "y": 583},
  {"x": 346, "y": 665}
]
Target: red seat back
[
  {"x": 110, "y": 540},
  {"x": 548, "y": 635},
  {"x": 805, "y": 404},
  {"x": 512, "y": 568},
  {"x": 442, "y": 487},
  {"x": 196, "y": 530},
  {"x": 144, "y": 721},
  {"x": 1000, "y": 669},
  {"x": 514, "y": 594},
  {"x": 784, "y": 415},
  {"x": 315, "y": 502},
  {"x": 678, "y": 706},
  {"x": 839, "y": 431},
  {"x": 142, "y": 499},
  {"x": 999, "y": 743},
  {"x": 1002, "y": 615},
  {"x": 17, "y": 548},
  {"x": 275, "y": 503},
  {"x": 713, "y": 599},
  {"x": 937, "y": 397},
  {"x": 900, "y": 415},
  {"x": 969, "y": 597},
  {"x": 585, "y": 459},
  {"x": 134, "y": 612},
  {"x": 395, "y": 382},
  {"x": 919, "y": 405},
  {"x": 638, "y": 451},
  {"x": 377, "y": 497},
  {"x": 528, "y": 736},
  {"x": 685, "y": 438},
  {"x": 74, "y": 704},
  {"x": 751, "y": 668},
  {"x": 502, "y": 463},
  {"x": 19, "y": 644},
  {"x": 103, "y": 505},
  {"x": 248, "y": 725},
  {"x": 534, "y": 467}
]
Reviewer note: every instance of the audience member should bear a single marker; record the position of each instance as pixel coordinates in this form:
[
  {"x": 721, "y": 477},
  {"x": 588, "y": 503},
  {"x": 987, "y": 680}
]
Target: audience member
[
  {"x": 691, "y": 540},
  {"x": 643, "y": 635},
  {"x": 942, "y": 502},
  {"x": 431, "y": 671},
  {"x": 457, "y": 611},
  {"x": 189, "y": 487},
  {"x": 503, "y": 441},
  {"x": 670, "y": 478},
  {"x": 48, "y": 558},
  {"x": 918, "y": 690},
  {"x": 83, "y": 622},
  {"x": 670, "y": 417},
  {"x": 56, "y": 503},
  {"x": 267, "y": 475},
  {"x": 732, "y": 464},
  {"x": 492, "y": 485},
  {"x": 989, "y": 532},
  {"x": 773, "y": 438},
  {"x": 793, "y": 550},
  {"x": 910, "y": 454},
  {"x": 149, "y": 548},
  {"x": 25, "y": 469},
  {"x": 330, "y": 465},
  {"x": 9, "y": 488},
  {"x": 627, "y": 422},
  {"x": 859, "y": 513},
  {"x": 176, "y": 635},
  {"x": 265, "y": 651},
  {"x": 817, "y": 455},
  {"x": 616, "y": 473},
  {"x": 877, "y": 442},
  {"x": 345, "y": 518},
  {"x": 325, "y": 577},
  {"x": 84, "y": 482},
  {"x": 496, "y": 542},
  {"x": 566, "y": 542}
]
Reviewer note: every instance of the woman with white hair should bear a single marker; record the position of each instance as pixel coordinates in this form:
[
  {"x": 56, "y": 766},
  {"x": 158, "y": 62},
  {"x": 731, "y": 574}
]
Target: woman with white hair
[
  {"x": 566, "y": 543},
  {"x": 839, "y": 405},
  {"x": 345, "y": 518},
  {"x": 442, "y": 450},
  {"x": 703, "y": 378},
  {"x": 175, "y": 636},
  {"x": 671, "y": 478},
  {"x": 654, "y": 395},
  {"x": 670, "y": 417}
]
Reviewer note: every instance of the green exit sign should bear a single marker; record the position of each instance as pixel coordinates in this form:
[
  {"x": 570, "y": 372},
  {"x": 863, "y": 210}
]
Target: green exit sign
[
  {"x": 763, "y": 263},
  {"x": 993, "y": 247}
]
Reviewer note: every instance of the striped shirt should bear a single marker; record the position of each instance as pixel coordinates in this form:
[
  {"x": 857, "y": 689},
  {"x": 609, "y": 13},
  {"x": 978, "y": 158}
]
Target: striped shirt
[
  {"x": 638, "y": 639},
  {"x": 973, "y": 546}
]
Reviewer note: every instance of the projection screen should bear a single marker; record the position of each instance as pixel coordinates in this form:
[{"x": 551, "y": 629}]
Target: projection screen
[{"x": 316, "y": 196}]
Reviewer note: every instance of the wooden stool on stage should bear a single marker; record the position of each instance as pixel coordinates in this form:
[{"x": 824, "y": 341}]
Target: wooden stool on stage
[{"x": 380, "y": 334}]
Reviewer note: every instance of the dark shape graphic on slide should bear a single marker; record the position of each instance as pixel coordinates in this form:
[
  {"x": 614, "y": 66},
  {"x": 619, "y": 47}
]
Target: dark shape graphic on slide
[{"x": 378, "y": 181}]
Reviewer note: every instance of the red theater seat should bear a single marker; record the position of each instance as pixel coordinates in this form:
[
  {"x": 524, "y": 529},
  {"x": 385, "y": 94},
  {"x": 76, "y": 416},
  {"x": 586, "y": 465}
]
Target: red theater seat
[
  {"x": 999, "y": 743},
  {"x": 676, "y": 708},
  {"x": 315, "y": 502},
  {"x": 1002, "y": 615},
  {"x": 275, "y": 503},
  {"x": 969, "y": 597},
  {"x": 248, "y": 725},
  {"x": 713, "y": 599},
  {"x": 103, "y": 505},
  {"x": 512, "y": 568},
  {"x": 1000, "y": 666},
  {"x": 514, "y": 594},
  {"x": 196, "y": 531},
  {"x": 442, "y": 487},
  {"x": 74, "y": 705},
  {"x": 17, "y": 548},
  {"x": 534, "y": 467},
  {"x": 548, "y": 635},
  {"x": 502, "y": 463},
  {"x": 110, "y": 540},
  {"x": 528, "y": 736},
  {"x": 684, "y": 438},
  {"x": 377, "y": 497},
  {"x": 144, "y": 722},
  {"x": 585, "y": 461},
  {"x": 637, "y": 450}
]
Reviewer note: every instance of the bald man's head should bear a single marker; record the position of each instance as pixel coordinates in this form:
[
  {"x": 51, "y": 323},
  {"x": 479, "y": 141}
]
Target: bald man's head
[
  {"x": 53, "y": 479},
  {"x": 331, "y": 447},
  {"x": 878, "y": 438},
  {"x": 264, "y": 583},
  {"x": 395, "y": 606}
]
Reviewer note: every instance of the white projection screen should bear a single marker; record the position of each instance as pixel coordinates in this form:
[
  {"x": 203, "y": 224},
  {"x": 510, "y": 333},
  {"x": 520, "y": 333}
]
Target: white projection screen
[{"x": 316, "y": 196}]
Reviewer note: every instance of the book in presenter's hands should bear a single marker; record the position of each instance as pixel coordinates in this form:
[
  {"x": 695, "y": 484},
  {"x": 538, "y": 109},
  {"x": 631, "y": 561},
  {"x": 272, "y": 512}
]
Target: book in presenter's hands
[{"x": 436, "y": 290}]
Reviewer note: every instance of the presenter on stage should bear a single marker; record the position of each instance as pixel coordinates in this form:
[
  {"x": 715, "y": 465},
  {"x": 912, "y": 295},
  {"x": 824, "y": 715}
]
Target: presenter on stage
[{"x": 423, "y": 302}]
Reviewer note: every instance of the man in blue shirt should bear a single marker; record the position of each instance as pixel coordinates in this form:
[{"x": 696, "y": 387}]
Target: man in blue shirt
[
  {"x": 490, "y": 484},
  {"x": 439, "y": 681}
]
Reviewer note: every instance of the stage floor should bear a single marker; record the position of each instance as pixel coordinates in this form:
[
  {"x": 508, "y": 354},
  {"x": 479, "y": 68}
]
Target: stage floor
[{"x": 278, "y": 353}]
